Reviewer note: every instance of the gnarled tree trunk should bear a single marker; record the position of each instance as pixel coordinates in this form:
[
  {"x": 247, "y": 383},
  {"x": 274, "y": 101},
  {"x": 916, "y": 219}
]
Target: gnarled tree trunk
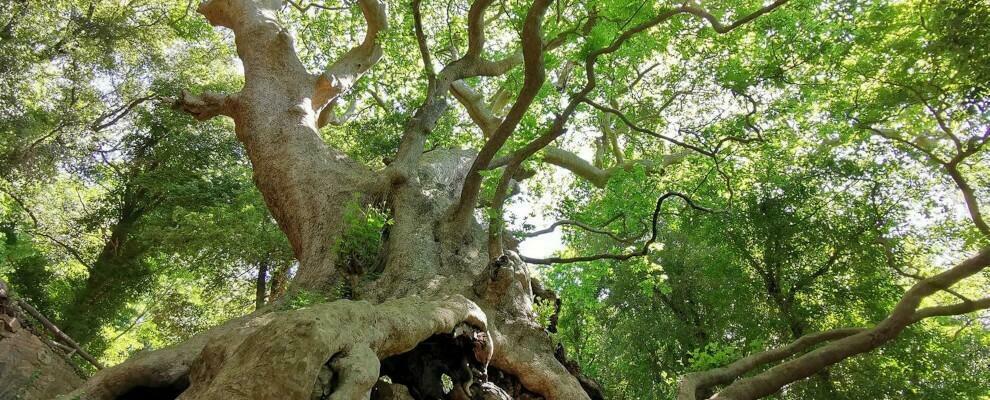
[{"x": 438, "y": 306}]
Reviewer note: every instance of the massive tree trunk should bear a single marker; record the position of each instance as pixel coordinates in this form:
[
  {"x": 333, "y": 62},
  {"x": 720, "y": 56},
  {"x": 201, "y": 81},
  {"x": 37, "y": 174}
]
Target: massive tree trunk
[
  {"x": 431, "y": 284},
  {"x": 438, "y": 306}
]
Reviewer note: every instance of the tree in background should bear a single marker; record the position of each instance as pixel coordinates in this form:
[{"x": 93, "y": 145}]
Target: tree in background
[{"x": 112, "y": 201}]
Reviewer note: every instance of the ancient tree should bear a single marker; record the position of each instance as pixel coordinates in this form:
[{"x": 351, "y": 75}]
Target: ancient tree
[{"x": 448, "y": 297}]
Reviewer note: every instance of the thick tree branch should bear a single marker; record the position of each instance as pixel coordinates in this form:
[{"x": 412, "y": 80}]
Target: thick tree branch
[
  {"x": 693, "y": 383},
  {"x": 535, "y": 75},
  {"x": 343, "y": 73},
  {"x": 424, "y": 48},
  {"x": 598, "y": 176},
  {"x": 435, "y": 103},
  {"x": 613, "y": 138},
  {"x": 206, "y": 105},
  {"x": 303, "y": 181},
  {"x": 476, "y": 27},
  {"x": 476, "y": 108},
  {"x": 906, "y": 312},
  {"x": 965, "y": 307},
  {"x": 577, "y": 165}
]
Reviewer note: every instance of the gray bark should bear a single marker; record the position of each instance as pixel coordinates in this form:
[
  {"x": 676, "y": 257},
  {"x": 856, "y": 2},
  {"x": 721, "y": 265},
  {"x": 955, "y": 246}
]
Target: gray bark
[{"x": 433, "y": 281}]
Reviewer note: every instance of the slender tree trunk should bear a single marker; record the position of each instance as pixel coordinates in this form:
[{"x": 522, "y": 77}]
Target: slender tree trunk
[
  {"x": 116, "y": 277},
  {"x": 260, "y": 291},
  {"x": 278, "y": 282}
]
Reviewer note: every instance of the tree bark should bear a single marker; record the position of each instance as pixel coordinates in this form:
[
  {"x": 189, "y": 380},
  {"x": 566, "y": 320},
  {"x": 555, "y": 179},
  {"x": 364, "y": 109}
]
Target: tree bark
[
  {"x": 260, "y": 291},
  {"x": 435, "y": 283}
]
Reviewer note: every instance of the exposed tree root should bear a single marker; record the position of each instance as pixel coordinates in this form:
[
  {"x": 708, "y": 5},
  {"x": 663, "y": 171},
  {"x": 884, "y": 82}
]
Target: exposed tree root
[
  {"x": 280, "y": 354},
  {"x": 523, "y": 349}
]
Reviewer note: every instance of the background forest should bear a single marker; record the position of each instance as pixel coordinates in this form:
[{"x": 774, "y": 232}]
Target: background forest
[{"x": 835, "y": 151}]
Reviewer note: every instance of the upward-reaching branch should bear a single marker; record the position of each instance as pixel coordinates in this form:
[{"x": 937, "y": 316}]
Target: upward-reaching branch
[
  {"x": 435, "y": 104},
  {"x": 558, "y": 127},
  {"x": 343, "y": 73},
  {"x": 303, "y": 181},
  {"x": 476, "y": 27},
  {"x": 535, "y": 75},
  {"x": 905, "y": 313}
]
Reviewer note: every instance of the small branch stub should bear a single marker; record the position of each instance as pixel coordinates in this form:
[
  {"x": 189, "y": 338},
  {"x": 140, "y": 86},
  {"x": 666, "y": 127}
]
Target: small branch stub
[{"x": 204, "y": 106}]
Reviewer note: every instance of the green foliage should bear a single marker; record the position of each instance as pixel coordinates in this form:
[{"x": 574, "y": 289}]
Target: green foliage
[
  {"x": 361, "y": 241},
  {"x": 108, "y": 197},
  {"x": 303, "y": 298},
  {"x": 713, "y": 355},
  {"x": 828, "y": 119},
  {"x": 544, "y": 309}
]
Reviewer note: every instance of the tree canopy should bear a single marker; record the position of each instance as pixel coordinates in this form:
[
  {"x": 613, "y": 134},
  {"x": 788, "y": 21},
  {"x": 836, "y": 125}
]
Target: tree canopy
[{"x": 746, "y": 194}]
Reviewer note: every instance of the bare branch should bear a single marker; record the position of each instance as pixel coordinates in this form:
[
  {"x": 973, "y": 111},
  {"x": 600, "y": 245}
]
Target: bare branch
[
  {"x": 109, "y": 119},
  {"x": 639, "y": 129},
  {"x": 424, "y": 48},
  {"x": 969, "y": 196},
  {"x": 896, "y": 137},
  {"x": 55, "y": 331},
  {"x": 582, "y": 225},
  {"x": 621, "y": 257},
  {"x": 951, "y": 168},
  {"x": 303, "y": 9},
  {"x": 694, "y": 9}
]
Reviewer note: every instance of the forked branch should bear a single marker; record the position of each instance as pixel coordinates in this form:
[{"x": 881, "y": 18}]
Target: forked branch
[
  {"x": 557, "y": 128},
  {"x": 904, "y": 313},
  {"x": 343, "y": 73}
]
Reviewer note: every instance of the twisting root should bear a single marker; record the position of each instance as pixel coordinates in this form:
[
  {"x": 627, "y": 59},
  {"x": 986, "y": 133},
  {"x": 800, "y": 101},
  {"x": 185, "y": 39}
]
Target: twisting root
[
  {"x": 524, "y": 350},
  {"x": 280, "y": 354}
]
